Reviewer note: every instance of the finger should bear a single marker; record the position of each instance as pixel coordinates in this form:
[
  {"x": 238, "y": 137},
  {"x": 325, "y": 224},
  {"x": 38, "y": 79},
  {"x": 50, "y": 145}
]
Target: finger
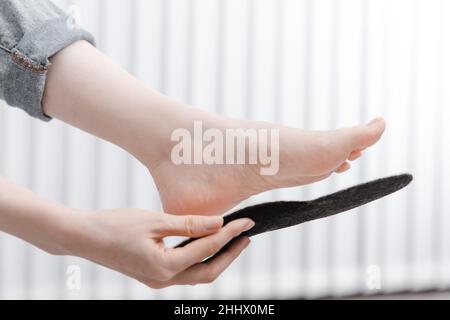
[
  {"x": 189, "y": 226},
  {"x": 209, "y": 271},
  {"x": 355, "y": 155},
  {"x": 344, "y": 167},
  {"x": 179, "y": 259}
]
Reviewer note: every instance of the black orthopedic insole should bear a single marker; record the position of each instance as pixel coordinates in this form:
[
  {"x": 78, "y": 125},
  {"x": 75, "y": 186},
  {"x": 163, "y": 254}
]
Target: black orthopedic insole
[{"x": 277, "y": 215}]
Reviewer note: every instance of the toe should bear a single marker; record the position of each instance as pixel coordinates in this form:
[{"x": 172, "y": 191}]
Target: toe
[
  {"x": 371, "y": 133},
  {"x": 355, "y": 155},
  {"x": 344, "y": 167},
  {"x": 365, "y": 136}
]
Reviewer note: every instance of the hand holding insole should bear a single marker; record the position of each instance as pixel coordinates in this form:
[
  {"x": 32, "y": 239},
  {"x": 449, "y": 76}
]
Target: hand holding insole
[{"x": 272, "y": 216}]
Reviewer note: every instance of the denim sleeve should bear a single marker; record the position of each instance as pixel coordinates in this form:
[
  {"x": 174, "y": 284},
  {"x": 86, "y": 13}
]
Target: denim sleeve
[{"x": 31, "y": 31}]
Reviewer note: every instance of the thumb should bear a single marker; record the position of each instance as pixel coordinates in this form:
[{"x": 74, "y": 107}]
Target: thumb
[{"x": 191, "y": 226}]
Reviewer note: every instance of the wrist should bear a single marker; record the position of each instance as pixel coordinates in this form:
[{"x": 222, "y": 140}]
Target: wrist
[{"x": 71, "y": 232}]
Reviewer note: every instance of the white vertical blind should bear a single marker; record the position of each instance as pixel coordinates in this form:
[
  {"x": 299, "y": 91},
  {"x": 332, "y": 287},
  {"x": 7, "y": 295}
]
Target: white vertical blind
[{"x": 317, "y": 64}]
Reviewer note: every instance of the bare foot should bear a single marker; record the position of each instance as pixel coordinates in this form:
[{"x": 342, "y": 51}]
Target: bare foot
[
  {"x": 113, "y": 105},
  {"x": 304, "y": 157}
]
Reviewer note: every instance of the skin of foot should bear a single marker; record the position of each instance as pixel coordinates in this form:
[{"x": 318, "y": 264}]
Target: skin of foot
[
  {"x": 101, "y": 98},
  {"x": 305, "y": 157}
]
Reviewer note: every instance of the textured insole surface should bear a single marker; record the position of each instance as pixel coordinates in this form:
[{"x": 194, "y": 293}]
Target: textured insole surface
[{"x": 272, "y": 216}]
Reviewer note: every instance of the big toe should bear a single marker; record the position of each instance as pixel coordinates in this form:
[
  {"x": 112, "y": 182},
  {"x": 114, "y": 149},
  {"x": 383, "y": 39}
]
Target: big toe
[{"x": 362, "y": 137}]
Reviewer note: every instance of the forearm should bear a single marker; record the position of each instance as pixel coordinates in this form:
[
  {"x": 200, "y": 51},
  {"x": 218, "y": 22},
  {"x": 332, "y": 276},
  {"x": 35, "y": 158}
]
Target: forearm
[{"x": 44, "y": 224}]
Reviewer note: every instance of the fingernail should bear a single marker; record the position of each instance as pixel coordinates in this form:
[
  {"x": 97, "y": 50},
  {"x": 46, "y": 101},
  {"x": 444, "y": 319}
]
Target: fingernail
[
  {"x": 213, "y": 223},
  {"x": 250, "y": 224}
]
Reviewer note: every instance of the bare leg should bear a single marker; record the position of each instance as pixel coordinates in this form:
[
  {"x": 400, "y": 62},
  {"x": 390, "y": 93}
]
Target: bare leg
[{"x": 87, "y": 90}]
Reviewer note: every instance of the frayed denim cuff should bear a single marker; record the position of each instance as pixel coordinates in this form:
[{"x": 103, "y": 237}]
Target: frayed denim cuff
[{"x": 26, "y": 65}]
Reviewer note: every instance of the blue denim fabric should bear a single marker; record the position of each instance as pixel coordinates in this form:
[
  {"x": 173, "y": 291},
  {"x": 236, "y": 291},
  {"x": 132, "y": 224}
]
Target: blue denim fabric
[{"x": 31, "y": 31}]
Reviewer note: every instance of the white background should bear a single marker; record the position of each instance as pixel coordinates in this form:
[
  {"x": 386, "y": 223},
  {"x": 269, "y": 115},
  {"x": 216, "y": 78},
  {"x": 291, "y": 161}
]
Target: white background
[{"x": 309, "y": 63}]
